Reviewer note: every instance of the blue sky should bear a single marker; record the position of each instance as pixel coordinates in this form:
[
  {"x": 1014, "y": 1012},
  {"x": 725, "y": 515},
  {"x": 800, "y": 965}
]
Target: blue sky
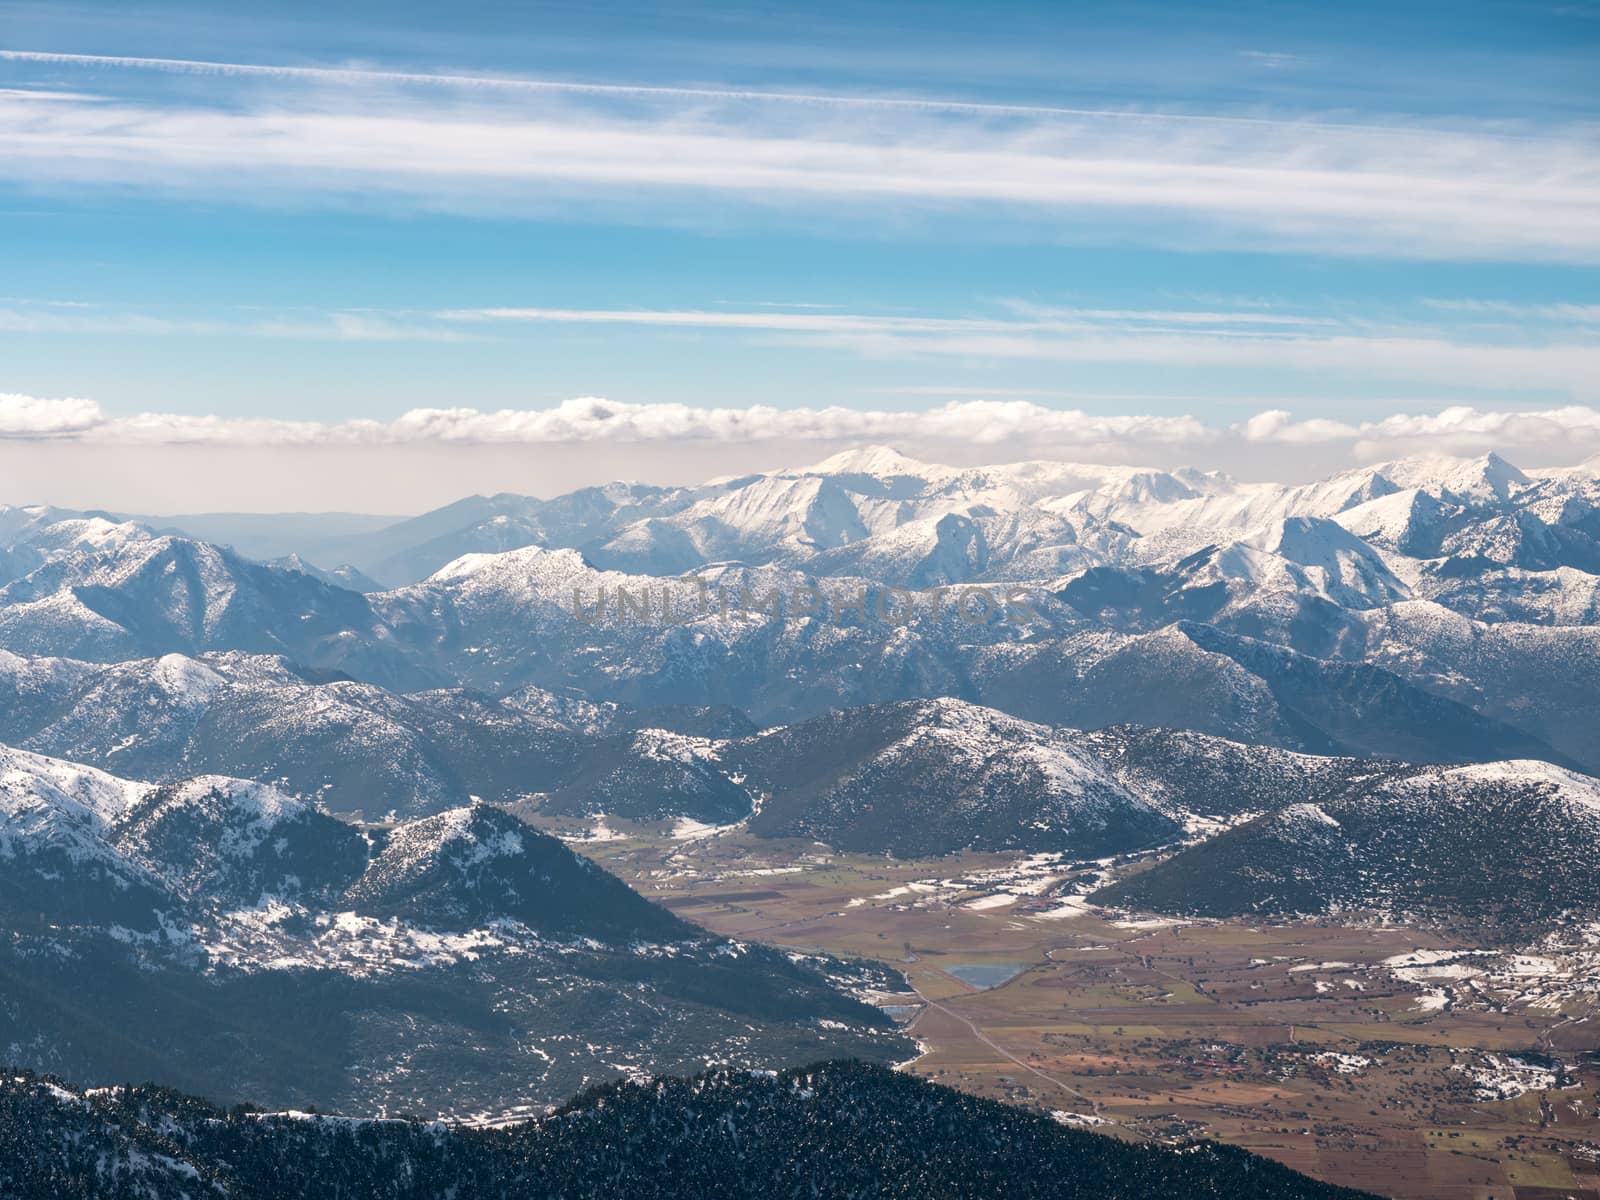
[{"x": 294, "y": 225}]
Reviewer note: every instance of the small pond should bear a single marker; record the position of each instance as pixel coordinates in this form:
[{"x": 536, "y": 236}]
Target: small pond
[{"x": 986, "y": 975}]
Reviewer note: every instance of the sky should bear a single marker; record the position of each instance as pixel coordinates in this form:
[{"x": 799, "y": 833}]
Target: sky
[{"x": 376, "y": 256}]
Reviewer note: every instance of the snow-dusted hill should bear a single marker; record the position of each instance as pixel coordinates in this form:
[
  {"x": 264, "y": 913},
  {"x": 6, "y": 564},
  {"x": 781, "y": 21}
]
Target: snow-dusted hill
[
  {"x": 354, "y": 745},
  {"x": 1513, "y": 845},
  {"x": 248, "y": 941},
  {"x": 259, "y": 717},
  {"x": 929, "y": 777}
]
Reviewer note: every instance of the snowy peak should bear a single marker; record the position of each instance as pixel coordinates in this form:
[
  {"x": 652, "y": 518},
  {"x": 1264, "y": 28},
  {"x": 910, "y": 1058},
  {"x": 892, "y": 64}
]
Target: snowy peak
[
  {"x": 168, "y": 594},
  {"x": 1309, "y": 541},
  {"x": 533, "y": 563},
  {"x": 31, "y": 783},
  {"x": 1487, "y": 479},
  {"x": 1341, "y": 566},
  {"x": 1575, "y": 794},
  {"x": 881, "y": 461},
  {"x": 1303, "y": 557},
  {"x": 1409, "y": 521}
]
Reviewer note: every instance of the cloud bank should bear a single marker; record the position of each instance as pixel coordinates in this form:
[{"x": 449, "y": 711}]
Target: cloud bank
[{"x": 1573, "y": 430}]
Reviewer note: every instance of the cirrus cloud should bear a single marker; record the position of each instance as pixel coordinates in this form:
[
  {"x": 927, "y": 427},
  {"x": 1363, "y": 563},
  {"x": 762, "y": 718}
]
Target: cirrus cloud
[{"x": 463, "y": 144}]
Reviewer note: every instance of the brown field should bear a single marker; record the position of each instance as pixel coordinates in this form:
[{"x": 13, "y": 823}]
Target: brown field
[{"x": 1164, "y": 1030}]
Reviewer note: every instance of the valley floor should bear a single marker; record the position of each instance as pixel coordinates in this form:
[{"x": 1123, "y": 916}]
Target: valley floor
[{"x": 1392, "y": 1059}]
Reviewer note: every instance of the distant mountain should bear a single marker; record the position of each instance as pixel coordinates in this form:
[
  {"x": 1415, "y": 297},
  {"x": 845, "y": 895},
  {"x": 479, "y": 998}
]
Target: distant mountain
[
  {"x": 831, "y": 1132},
  {"x": 139, "y": 596},
  {"x": 342, "y": 576},
  {"x": 408, "y": 551},
  {"x": 223, "y": 936},
  {"x": 923, "y": 777},
  {"x": 267, "y": 535},
  {"x": 362, "y": 749},
  {"x": 876, "y": 513},
  {"x": 356, "y": 746},
  {"x": 1430, "y": 609},
  {"x": 33, "y": 535},
  {"x": 1513, "y": 846},
  {"x": 1536, "y": 679},
  {"x": 1191, "y": 675}
]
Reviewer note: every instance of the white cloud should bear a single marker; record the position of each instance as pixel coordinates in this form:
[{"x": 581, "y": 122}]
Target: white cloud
[
  {"x": 765, "y": 320},
  {"x": 70, "y": 452},
  {"x": 527, "y": 145},
  {"x": 1015, "y": 423},
  {"x": 1567, "y": 433},
  {"x": 29, "y": 416}
]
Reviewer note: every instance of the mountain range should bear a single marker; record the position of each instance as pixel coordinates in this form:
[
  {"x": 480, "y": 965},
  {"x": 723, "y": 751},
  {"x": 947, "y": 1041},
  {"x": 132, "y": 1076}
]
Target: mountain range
[
  {"x": 1439, "y": 610},
  {"x": 260, "y": 779}
]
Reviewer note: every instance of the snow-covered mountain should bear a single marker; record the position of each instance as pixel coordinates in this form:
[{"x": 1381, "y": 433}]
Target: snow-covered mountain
[
  {"x": 129, "y": 596},
  {"x": 246, "y": 940},
  {"x": 32, "y": 535},
  {"x": 261, "y": 717},
  {"x": 257, "y": 814},
  {"x": 354, "y": 745},
  {"x": 923, "y": 777},
  {"x": 342, "y": 576},
  {"x": 184, "y": 853},
  {"x": 1436, "y": 609},
  {"x": 56, "y": 820},
  {"x": 966, "y": 776},
  {"x": 876, "y": 513}
]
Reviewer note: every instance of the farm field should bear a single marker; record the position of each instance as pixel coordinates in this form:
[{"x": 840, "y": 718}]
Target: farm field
[{"x": 1362, "y": 1054}]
